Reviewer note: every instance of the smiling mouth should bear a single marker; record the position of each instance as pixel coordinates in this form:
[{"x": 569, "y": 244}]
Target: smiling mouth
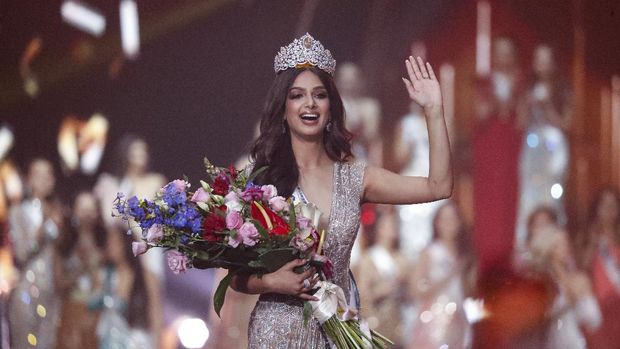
[{"x": 310, "y": 117}]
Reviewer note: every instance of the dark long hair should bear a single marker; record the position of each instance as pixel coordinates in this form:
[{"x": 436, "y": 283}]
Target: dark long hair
[
  {"x": 594, "y": 208},
  {"x": 273, "y": 146}
]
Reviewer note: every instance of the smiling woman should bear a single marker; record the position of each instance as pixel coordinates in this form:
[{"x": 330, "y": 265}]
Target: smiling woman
[
  {"x": 306, "y": 102},
  {"x": 307, "y": 151}
]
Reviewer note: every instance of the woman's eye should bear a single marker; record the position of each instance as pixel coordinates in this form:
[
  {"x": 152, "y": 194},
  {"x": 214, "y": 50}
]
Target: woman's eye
[
  {"x": 295, "y": 96},
  {"x": 321, "y": 95}
]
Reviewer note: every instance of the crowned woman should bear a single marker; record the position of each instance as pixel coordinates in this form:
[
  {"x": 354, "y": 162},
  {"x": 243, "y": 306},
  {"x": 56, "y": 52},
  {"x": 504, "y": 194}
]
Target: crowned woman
[{"x": 306, "y": 148}]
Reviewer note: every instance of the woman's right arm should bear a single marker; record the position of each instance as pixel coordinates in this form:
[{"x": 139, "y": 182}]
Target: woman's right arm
[{"x": 284, "y": 281}]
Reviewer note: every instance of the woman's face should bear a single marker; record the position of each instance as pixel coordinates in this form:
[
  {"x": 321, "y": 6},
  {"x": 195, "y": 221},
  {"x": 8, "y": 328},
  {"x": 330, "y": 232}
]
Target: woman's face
[
  {"x": 138, "y": 155},
  {"x": 85, "y": 209},
  {"x": 307, "y": 106},
  {"x": 543, "y": 63},
  {"x": 608, "y": 209},
  {"x": 386, "y": 229},
  {"x": 540, "y": 221},
  {"x": 41, "y": 178},
  {"x": 448, "y": 223}
]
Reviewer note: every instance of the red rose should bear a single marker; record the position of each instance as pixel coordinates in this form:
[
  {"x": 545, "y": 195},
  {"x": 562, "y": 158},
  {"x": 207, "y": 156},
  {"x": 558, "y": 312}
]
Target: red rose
[
  {"x": 220, "y": 185},
  {"x": 233, "y": 172},
  {"x": 273, "y": 223},
  {"x": 214, "y": 222}
]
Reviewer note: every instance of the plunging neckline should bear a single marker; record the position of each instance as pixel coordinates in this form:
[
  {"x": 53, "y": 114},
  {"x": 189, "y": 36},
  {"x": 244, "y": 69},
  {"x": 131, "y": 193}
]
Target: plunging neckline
[{"x": 332, "y": 206}]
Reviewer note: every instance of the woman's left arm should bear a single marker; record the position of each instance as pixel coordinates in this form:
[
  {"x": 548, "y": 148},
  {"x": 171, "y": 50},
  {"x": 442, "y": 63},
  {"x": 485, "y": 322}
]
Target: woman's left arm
[{"x": 383, "y": 186}]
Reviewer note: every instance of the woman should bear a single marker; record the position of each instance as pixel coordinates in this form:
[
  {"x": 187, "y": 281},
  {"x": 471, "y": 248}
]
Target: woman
[
  {"x": 601, "y": 251},
  {"x": 495, "y": 149},
  {"x": 574, "y": 309},
  {"x": 34, "y": 225},
  {"x": 382, "y": 275},
  {"x": 128, "y": 318},
  {"x": 306, "y": 146},
  {"x": 77, "y": 269},
  {"x": 440, "y": 281},
  {"x": 545, "y": 112},
  {"x": 133, "y": 178}
]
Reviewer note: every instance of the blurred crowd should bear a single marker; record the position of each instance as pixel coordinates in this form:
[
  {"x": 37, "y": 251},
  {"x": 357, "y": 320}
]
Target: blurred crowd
[{"x": 517, "y": 276}]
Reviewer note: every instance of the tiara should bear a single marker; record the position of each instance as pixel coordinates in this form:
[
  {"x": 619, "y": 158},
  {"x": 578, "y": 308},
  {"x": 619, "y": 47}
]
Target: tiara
[{"x": 305, "y": 52}]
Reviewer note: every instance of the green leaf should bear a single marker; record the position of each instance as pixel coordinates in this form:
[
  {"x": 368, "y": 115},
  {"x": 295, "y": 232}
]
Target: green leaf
[
  {"x": 256, "y": 173},
  {"x": 256, "y": 264},
  {"x": 292, "y": 219},
  {"x": 262, "y": 231},
  {"x": 307, "y": 312},
  {"x": 276, "y": 258},
  {"x": 220, "y": 292}
]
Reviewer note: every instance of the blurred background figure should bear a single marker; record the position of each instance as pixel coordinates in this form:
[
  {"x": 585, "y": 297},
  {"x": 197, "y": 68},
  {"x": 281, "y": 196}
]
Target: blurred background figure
[
  {"x": 129, "y": 316},
  {"x": 34, "y": 225},
  {"x": 574, "y": 308},
  {"x": 78, "y": 270},
  {"x": 382, "y": 275},
  {"x": 600, "y": 253},
  {"x": 133, "y": 177},
  {"x": 545, "y": 113},
  {"x": 496, "y": 145},
  {"x": 363, "y": 114},
  {"x": 442, "y": 278}
]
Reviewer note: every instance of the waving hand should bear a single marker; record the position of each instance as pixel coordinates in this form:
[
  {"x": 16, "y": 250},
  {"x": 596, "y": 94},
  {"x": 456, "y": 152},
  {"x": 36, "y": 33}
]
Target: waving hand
[{"x": 422, "y": 86}]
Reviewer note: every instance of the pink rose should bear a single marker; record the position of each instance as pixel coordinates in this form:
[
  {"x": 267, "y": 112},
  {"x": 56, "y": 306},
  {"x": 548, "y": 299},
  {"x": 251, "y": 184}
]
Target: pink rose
[
  {"x": 139, "y": 247},
  {"x": 234, "y": 220},
  {"x": 155, "y": 232},
  {"x": 269, "y": 191},
  {"x": 201, "y": 195},
  {"x": 234, "y": 241},
  {"x": 177, "y": 261},
  {"x": 278, "y": 203},
  {"x": 232, "y": 201},
  {"x": 180, "y": 184},
  {"x": 248, "y": 234}
]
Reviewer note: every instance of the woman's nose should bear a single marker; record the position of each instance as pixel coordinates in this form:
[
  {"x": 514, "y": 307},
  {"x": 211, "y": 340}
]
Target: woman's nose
[{"x": 310, "y": 102}]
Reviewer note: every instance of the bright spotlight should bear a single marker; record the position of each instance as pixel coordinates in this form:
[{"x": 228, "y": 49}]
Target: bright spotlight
[
  {"x": 82, "y": 17},
  {"x": 557, "y": 191},
  {"x": 130, "y": 31},
  {"x": 193, "y": 333}
]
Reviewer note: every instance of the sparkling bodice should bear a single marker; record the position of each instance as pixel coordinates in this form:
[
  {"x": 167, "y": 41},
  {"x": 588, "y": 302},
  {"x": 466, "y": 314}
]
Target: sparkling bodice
[{"x": 277, "y": 320}]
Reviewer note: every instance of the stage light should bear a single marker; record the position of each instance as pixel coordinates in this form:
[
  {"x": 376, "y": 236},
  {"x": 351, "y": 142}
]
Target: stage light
[
  {"x": 130, "y": 31},
  {"x": 6, "y": 141},
  {"x": 557, "y": 191},
  {"x": 193, "y": 333},
  {"x": 83, "y": 17},
  {"x": 474, "y": 310}
]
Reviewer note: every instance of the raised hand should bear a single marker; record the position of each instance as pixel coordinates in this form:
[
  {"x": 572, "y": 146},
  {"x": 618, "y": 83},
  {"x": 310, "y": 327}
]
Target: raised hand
[{"x": 422, "y": 86}]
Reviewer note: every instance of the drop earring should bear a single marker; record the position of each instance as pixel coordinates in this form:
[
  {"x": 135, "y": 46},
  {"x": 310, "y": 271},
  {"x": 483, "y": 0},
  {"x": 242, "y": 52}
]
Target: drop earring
[
  {"x": 328, "y": 128},
  {"x": 283, "y": 126}
]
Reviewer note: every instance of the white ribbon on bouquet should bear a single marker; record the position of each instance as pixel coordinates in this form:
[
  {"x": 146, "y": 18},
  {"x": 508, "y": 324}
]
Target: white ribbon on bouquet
[{"x": 333, "y": 302}]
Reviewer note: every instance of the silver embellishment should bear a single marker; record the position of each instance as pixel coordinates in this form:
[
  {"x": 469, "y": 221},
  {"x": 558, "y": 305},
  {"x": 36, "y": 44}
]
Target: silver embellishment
[
  {"x": 277, "y": 320},
  {"x": 304, "y": 51}
]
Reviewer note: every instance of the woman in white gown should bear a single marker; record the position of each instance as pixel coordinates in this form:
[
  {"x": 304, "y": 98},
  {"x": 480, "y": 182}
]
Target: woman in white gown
[
  {"x": 545, "y": 112},
  {"x": 440, "y": 281}
]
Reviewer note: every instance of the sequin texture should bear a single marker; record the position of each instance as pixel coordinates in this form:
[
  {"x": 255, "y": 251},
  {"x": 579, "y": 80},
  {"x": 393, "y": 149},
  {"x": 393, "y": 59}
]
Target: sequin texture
[{"x": 277, "y": 320}]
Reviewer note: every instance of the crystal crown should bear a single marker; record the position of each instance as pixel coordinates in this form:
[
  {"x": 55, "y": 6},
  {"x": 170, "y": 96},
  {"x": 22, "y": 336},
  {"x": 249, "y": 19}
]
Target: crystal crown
[{"x": 305, "y": 52}]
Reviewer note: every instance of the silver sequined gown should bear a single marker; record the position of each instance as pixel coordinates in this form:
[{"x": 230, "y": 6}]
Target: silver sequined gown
[{"x": 277, "y": 320}]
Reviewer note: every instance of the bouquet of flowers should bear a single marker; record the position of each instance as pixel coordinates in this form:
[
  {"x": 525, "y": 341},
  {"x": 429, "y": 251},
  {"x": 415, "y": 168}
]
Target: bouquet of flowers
[{"x": 230, "y": 222}]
